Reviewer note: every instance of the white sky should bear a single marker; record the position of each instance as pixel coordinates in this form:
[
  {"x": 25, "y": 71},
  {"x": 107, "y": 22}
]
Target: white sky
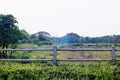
[{"x": 58, "y": 17}]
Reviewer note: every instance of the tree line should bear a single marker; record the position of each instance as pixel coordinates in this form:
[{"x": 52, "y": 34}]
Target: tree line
[
  {"x": 75, "y": 38},
  {"x": 45, "y": 38}
]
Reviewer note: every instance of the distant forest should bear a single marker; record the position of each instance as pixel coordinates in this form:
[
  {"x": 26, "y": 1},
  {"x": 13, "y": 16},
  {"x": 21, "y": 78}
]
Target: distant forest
[{"x": 45, "y": 38}]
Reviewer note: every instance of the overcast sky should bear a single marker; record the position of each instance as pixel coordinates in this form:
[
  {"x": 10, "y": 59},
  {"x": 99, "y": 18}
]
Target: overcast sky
[{"x": 58, "y": 17}]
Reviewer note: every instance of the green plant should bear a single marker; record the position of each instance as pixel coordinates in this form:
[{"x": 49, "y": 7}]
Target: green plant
[{"x": 48, "y": 71}]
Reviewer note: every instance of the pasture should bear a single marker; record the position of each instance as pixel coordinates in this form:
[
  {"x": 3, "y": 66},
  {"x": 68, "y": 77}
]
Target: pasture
[{"x": 65, "y": 54}]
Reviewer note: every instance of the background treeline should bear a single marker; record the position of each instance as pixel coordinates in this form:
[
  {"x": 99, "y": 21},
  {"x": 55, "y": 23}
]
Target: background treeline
[
  {"x": 45, "y": 38},
  {"x": 75, "y": 38}
]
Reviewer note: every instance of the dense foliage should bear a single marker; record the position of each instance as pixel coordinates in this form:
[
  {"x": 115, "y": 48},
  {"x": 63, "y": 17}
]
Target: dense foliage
[
  {"x": 41, "y": 38},
  {"x": 25, "y": 37},
  {"x": 9, "y": 32},
  {"x": 75, "y": 38},
  {"x": 45, "y": 38},
  {"x": 72, "y": 38},
  {"x": 43, "y": 71}
]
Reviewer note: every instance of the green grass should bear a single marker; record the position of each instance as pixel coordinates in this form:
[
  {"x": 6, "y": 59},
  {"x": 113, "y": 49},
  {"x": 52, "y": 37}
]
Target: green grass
[
  {"x": 32, "y": 54},
  {"x": 33, "y": 46},
  {"x": 61, "y": 54},
  {"x": 83, "y": 55},
  {"x": 48, "y": 71}
]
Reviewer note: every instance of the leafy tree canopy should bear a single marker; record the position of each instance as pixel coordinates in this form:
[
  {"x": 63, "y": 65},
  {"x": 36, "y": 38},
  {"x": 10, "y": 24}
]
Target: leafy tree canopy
[{"x": 9, "y": 31}]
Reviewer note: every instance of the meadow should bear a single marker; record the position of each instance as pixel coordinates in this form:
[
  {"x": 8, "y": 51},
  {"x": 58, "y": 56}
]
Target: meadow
[{"x": 64, "y": 54}]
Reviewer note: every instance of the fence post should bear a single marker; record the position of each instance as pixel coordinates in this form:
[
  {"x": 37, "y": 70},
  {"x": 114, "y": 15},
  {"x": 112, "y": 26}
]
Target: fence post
[
  {"x": 55, "y": 54},
  {"x": 113, "y": 53}
]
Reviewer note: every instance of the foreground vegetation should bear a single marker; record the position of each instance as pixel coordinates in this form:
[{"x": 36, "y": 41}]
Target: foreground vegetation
[{"x": 48, "y": 71}]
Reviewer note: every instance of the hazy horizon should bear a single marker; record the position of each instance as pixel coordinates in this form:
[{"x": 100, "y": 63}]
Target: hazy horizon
[{"x": 92, "y": 18}]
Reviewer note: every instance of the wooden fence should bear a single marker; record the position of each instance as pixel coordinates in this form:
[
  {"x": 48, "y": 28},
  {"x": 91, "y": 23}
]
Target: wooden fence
[{"x": 55, "y": 49}]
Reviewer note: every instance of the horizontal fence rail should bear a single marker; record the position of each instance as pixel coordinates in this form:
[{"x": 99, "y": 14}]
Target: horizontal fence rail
[
  {"x": 62, "y": 49},
  {"x": 83, "y": 49},
  {"x": 46, "y": 49},
  {"x": 86, "y": 60},
  {"x": 55, "y": 49},
  {"x": 93, "y": 44},
  {"x": 26, "y": 60}
]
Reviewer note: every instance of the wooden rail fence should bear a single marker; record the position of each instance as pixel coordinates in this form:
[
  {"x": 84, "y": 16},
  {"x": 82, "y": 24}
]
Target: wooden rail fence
[{"x": 55, "y": 49}]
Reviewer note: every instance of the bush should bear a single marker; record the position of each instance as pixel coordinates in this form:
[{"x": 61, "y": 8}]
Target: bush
[{"x": 42, "y": 71}]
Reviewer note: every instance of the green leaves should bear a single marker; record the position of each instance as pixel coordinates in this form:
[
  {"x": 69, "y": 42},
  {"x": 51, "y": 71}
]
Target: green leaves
[
  {"x": 9, "y": 32},
  {"x": 44, "y": 71}
]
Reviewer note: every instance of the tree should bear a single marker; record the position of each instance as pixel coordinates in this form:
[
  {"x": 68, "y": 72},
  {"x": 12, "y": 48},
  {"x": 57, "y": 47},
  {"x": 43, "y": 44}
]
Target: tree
[
  {"x": 72, "y": 38},
  {"x": 9, "y": 32},
  {"x": 25, "y": 36},
  {"x": 42, "y": 38}
]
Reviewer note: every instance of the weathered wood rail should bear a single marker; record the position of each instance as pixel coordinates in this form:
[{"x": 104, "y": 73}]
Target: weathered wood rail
[{"x": 55, "y": 49}]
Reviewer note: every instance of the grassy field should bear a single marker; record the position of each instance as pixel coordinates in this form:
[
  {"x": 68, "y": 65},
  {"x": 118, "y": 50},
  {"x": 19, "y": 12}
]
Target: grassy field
[{"x": 63, "y": 54}]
